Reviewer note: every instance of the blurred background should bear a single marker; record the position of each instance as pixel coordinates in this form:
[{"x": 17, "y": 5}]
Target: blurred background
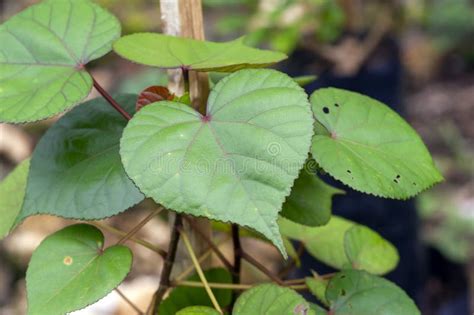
[{"x": 417, "y": 56}]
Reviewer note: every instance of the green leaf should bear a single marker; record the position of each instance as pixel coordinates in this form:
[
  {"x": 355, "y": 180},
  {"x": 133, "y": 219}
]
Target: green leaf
[
  {"x": 344, "y": 244},
  {"x": 71, "y": 270},
  {"x": 369, "y": 147},
  {"x": 198, "y": 310},
  {"x": 12, "y": 192},
  {"x": 237, "y": 163},
  {"x": 158, "y": 50},
  {"x": 305, "y": 79},
  {"x": 310, "y": 200},
  {"x": 353, "y": 292},
  {"x": 367, "y": 250},
  {"x": 270, "y": 299},
  {"x": 318, "y": 309},
  {"x": 43, "y": 53},
  {"x": 182, "y": 297},
  {"x": 317, "y": 286},
  {"x": 76, "y": 170}
]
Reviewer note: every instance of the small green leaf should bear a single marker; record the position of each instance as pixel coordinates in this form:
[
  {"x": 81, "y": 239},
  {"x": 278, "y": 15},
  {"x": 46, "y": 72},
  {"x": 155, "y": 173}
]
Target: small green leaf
[
  {"x": 43, "y": 53},
  {"x": 76, "y": 170},
  {"x": 198, "y": 310},
  {"x": 369, "y": 147},
  {"x": 317, "y": 286},
  {"x": 182, "y": 297},
  {"x": 305, "y": 79},
  {"x": 270, "y": 299},
  {"x": 12, "y": 192},
  {"x": 367, "y": 250},
  {"x": 344, "y": 244},
  {"x": 310, "y": 200},
  {"x": 235, "y": 164},
  {"x": 71, "y": 270},
  {"x": 353, "y": 292},
  {"x": 164, "y": 51}
]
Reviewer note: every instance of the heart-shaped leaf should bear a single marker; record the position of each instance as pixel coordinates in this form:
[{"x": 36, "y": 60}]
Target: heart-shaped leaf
[
  {"x": 310, "y": 200},
  {"x": 353, "y": 292},
  {"x": 270, "y": 299},
  {"x": 344, "y": 244},
  {"x": 182, "y": 297},
  {"x": 76, "y": 170},
  {"x": 237, "y": 163},
  {"x": 42, "y": 56},
  {"x": 12, "y": 192},
  {"x": 369, "y": 147},
  {"x": 368, "y": 249},
  {"x": 70, "y": 270},
  {"x": 198, "y": 310},
  {"x": 158, "y": 50}
]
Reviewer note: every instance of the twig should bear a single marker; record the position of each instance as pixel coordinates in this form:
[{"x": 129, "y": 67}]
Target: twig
[
  {"x": 141, "y": 242},
  {"x": 231, "y": 286},
  {"x": 260, "y": 267},
  {"x": 140, "y": 225},
  {"x": 237, "y": 260},
  {"x": 110, "y": 99},
  {"x": 211, "y": 244},
  {"x": 187, "y": 243},
  {"x": 129, "y": 302},
  {"x": 167, "y": 266}
]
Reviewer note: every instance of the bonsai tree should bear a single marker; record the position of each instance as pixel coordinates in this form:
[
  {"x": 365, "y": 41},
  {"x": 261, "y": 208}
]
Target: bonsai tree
[{"x": 248, "y": 161}]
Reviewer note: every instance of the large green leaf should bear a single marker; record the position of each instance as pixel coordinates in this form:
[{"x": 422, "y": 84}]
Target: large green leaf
[
  {"x": 237, "y": 163},
  {"x": 310, "y": 200},
  {"x": 198, "y": 310},
  {"x": 71, "y": 269},
  {"x": 76, "y": 170},
  {"x": 42, "y": 56},
  {"x": 182, "y": 297},
  {"x": 270, "y": 299},
  {"x": 344, "y": 244},
  {"x": 164, "y": 51},
  {"x": 369, "y": 147},
  {"x": 353, "y": 292},
  {"x": 366, "y": 249},
  {"x": 12, "y": 192}
]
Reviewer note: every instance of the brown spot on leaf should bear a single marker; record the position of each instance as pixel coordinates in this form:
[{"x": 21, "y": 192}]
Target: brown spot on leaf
[
  {"x": 68, "y": 260},
  {"x": 153, "y": 94},
  {"x": 300, "y": 309}
]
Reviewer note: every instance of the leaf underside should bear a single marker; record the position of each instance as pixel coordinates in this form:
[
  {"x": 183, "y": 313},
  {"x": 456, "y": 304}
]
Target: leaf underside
[
  {"x": 70, "y": 270},
  {"x": 42, "y": 53},
  {"x": 165, "y": 51},
  {"x": 76, "y": 171},
  {"x": 237, "y": 163},
  {"x": 369, "y": 147}
]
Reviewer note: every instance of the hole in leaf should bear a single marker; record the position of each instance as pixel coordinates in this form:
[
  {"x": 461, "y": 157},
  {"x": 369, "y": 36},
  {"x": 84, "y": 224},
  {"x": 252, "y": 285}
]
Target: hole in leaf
[
  {"x": 336, "y": 104},
  {"x": 414, "y": 184},
  {"x": 349, "y": 171},
  {"x": 326, "y": 110},
  {"x": 398, "y": 176},
  {"x": 343, "y": 292},
  {"x": 395, "y": 180}
]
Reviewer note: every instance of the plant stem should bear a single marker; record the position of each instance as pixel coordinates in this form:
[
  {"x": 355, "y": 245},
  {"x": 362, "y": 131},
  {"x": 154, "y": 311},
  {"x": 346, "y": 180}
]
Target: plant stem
[
  {"x": 167, "y": 266},
  {"x": 230, "y": 286},
  {"x": 187, "y": 243},
  {"x": 211, "y": 244},
  {"x": 237, "y": 260},
  {"x": 118, "y": 232},
  {"x": 260, "y": 267},
  {"x": 140, "y": 225},
  {"x": 186, "y": 79},
  {"x": 110, "y": 99},
  {"x": 129, "y": 302}
]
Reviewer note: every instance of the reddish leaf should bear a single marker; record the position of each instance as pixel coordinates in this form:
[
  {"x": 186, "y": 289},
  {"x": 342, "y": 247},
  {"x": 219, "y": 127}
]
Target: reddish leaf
[{"x": 153, "y": 94}]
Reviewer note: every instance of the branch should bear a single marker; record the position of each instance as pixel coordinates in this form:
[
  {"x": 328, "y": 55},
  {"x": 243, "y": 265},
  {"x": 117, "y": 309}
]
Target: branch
[
  {"x": 127, "y": 300},
  {"x": 110, "y": 99},
  {"x": 230, "y": 286},
  {"x": 139, "y": 225},
  {"x": 187, "y": 243},
  {"x": 260, "y": 267},
  {"x": 237, "y": 259},
  {"x": 167, "y": 266}
]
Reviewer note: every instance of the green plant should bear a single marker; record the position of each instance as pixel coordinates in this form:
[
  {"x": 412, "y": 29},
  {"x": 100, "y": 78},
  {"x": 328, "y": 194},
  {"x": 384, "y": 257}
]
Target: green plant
[{"x": 236, "y": 162}]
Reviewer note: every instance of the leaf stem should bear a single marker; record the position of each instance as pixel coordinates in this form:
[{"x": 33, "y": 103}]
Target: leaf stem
[
  {"x": 231, "y": 286},
  {"x": 211, "y": 244},
  {"x": 118, "y": 232},
  {"x": 167, "y": 266},
  {"x": 260, "y": 267},
  {"x": 129, "y": 302},
  {"x": 140, "y": 225},
  {"x": 189, "y": 247},
  {"x": 110, "y": 99},
  {"x": 237, "y": 259}
]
